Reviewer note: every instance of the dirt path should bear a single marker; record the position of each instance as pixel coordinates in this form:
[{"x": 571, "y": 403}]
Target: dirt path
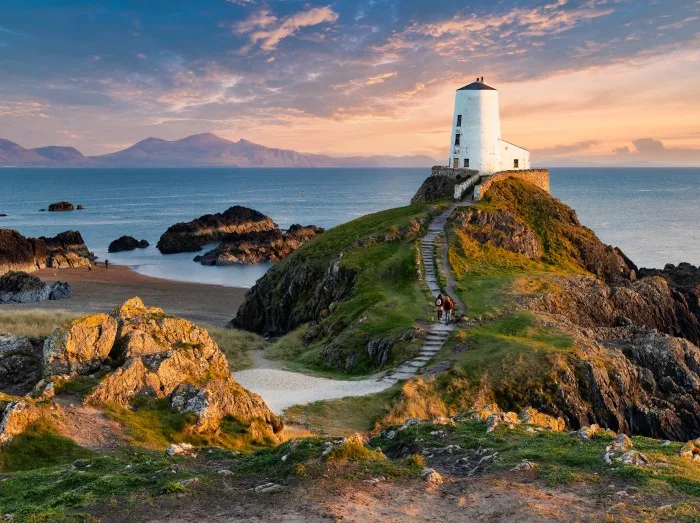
[
  {"x": 101, "y": 290},
  {"x": 86, "y": 425},
  {"x": 282, "y": 389}
]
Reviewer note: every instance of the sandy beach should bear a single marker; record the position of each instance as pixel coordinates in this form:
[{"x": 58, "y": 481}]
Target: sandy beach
[{"x": 101, "y": 289}]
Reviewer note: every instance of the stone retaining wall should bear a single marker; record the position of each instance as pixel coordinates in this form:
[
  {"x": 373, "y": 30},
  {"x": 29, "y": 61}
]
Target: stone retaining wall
[
  {"x": 462, "y": 188},
  {"x": 455, "y": 174},
  {"x": 537, "y": 177}
]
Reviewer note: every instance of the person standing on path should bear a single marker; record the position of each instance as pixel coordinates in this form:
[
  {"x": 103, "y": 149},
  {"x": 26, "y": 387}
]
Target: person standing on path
[
  {"x": 106, "y": 264},
  {"x": 438, "y": 305}
]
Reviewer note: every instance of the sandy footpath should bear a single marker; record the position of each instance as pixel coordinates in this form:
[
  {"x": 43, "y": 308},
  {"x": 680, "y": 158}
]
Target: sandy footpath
[{"x": 100, "y": 290}]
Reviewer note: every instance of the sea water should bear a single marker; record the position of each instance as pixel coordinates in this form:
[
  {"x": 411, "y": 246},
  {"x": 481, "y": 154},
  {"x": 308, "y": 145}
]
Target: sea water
[{"x": 651, "y": 214}]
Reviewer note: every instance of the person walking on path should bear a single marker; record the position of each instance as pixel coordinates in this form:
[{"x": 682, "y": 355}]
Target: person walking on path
[
  {"x": 438, "y": 305},
  {"x": 90, "y": 266},
  {"x": 106, "y": 264},
  {"x": 448, "y": 306}
]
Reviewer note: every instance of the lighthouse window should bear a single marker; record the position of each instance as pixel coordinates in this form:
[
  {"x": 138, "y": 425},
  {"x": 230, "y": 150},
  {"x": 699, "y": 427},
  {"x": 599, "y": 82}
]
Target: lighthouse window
[
  {"x": 459, "y": 120},
  {"x": 466, "y": 163},
  {"x": 457, "y": 139},
  {"x": 515, "y": 164}
]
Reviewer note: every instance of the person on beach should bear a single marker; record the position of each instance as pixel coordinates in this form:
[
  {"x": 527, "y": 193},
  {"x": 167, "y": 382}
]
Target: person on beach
[
  {"x": 106, "y": 264},
  {"x": 90, "y": 266},
  {"x": 438, "y": 304}
]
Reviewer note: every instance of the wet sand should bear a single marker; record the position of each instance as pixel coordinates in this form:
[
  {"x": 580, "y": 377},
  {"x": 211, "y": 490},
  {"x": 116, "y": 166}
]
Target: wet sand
[{"x": 100, "y": 290}]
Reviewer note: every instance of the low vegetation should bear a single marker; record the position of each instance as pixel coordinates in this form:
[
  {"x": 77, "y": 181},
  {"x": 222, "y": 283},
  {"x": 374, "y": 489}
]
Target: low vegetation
[
  {"x": 34, "y": 322},
  {"x": 237, "y": 345},
  {"x": 388, "y": 298}
]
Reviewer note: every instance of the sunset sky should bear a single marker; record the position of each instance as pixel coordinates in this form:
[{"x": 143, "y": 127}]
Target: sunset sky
[{"x": 607, "y": 81}]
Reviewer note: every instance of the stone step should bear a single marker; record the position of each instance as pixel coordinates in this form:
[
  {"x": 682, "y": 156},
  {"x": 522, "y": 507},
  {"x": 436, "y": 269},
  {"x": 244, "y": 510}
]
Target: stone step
[
  {"x": 417, "y": 364},
  {"x": 422, "y": 358},
  {"x": 402, "y": 375}
]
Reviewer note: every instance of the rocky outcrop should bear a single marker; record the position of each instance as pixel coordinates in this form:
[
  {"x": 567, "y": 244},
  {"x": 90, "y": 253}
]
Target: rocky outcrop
[
  {"x": 66, "y": 249},
  {"x": 20, "y": 287},
  {"x": 140, "y": 353},
  {"x": 500, "y": 229},
  {"x": 80, "y": 347},
  {"x": 16, "y": 417},
  {"x": 20, "y": 363},
  {"x": 524, "y": 219},
  {"x": 650, "y": 302},
  {"x": 292, "y": 293},
  {"x": 126, "y": 243},
  {"x": 259, "y": 247},
  {"x": 210, "y": 228},
  {"x": 61, "y": 206},
  {"x": 18, "y": 253}
]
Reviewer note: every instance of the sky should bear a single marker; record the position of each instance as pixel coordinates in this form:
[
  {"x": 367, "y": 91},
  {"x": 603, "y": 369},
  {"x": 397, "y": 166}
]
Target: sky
[{"x": 580, "y": 81}]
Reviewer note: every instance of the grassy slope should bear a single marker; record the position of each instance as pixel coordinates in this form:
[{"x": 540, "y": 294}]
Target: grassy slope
[{"x": 388, "y": 297}]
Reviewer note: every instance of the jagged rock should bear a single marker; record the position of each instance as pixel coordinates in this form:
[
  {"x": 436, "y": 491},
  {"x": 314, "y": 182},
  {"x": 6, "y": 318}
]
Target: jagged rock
[
  {"x": 524, "y": 466},
  {"x": 431, "y": 476},
  {"x": 632, "y": 457},
  {"x": 20, "y": 287},
  {"x": 500, "y": 229},
  {"x": 61, "y": 206},
  {"x": 18, "y": 253},
  {"x": 531, "y": 416},
  {"x": 439, "y": 187},
  {"x": 380, "y": 350},
  {"x": 192, "y": 236},
  {"x": 621, "y": 444},
  {"x": 81, "y": 346},
  {"x": 66, "y": 249},
  {"x": 20, "y": 363},
  {"x": 80, "y": 207},
  {"x": 691, "y": 450},
  {"x": 126, "y": 243},
  {"x": 259, "y": 246},
  {"x": 15, "y": 418},
  {"x": 180, "y": 449},
  {"x": 164, "y": 356}
]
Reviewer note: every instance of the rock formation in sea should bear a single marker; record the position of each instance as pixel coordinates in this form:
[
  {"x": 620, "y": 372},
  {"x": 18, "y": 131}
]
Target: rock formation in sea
[
  {"x": 61, "y": 206},
  {"x": 258, "y": 247},
  {"x": 136, "y": 353},
  {"x": 18, "y": 253},
  {"x": 211, "y": 228},
  {"x": 126, "y": 243},
  {"x": 20, "y": 287}
]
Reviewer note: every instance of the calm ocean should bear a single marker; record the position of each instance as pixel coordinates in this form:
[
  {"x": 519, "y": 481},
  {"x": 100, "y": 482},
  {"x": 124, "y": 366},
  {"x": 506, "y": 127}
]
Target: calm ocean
[{"x": 651, "y": 214}]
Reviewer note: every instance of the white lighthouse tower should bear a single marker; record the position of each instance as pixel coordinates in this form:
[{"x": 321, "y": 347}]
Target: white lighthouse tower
[{"x": 475, "y": 142}]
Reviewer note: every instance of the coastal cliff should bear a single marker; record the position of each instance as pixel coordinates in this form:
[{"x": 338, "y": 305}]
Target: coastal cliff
[{"x": 556, "y": 319}]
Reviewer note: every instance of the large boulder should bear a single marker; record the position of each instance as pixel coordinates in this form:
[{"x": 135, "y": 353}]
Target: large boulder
[
  {"x": 126, "y": 243},
  {"x": 210, "y": 228},
  {"x": 20, "y": 363},
  {"x": 20, "y": 287},
  {"x": 80, "y": 347}
]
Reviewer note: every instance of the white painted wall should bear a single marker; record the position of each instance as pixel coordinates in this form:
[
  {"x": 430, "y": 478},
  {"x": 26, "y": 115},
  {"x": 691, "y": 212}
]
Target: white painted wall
[
  {"x": 480, "y": 134},
  {"x": 509, "y": 153}
]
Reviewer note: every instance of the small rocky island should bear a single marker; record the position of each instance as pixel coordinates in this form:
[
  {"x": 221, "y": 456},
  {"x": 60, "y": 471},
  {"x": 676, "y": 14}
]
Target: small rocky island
[
  {"x": 126, "y": 243},
  {"x": 61, "y": 206},
  {"x": 246, "y": 236}
]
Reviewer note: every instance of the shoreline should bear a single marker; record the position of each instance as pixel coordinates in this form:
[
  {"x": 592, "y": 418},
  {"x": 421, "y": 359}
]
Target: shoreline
[{"x": 100, "y": 290}]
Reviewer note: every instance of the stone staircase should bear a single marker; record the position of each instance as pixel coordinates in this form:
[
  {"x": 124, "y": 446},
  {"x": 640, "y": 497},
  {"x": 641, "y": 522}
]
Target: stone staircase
[{"x": 437, "y": 332}]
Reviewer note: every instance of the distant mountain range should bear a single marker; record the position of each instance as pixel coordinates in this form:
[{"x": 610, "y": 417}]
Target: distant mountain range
[{"x": 199, "y": 150}]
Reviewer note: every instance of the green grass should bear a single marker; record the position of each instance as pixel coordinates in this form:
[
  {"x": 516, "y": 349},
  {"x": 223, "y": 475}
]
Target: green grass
[
  {"x": 343, "y": 416},
  {"x": 236, "y": 345},
  {"x": 152, "y": 424},
  {"x": 33, "y": 322},
  {"x": 388, "y": 298},
  {"x": 58, "y": 492},
  {"x": 560, "y": 458},
  {"x": 39, "y": 446}
]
